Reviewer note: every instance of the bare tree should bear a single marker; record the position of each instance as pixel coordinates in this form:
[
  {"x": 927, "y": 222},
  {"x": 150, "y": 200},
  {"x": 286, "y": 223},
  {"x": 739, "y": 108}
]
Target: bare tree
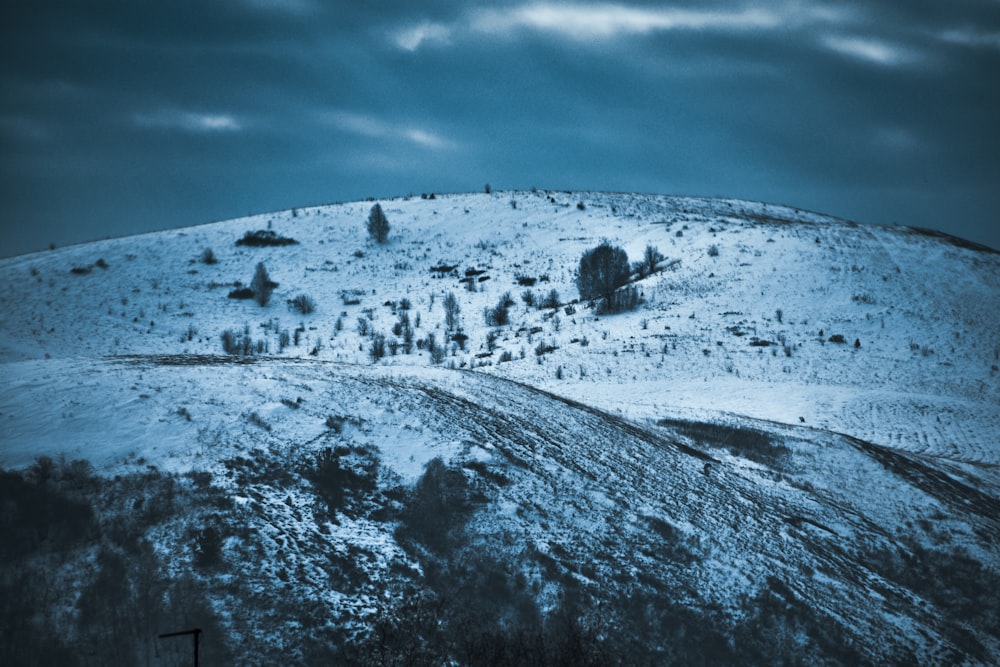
[
  {"x": 451, "y": 311},
  {"x": 262, "y": 285}
]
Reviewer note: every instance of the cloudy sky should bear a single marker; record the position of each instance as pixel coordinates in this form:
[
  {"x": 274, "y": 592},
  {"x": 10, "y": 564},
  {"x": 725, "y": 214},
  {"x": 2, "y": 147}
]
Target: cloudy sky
[{"x": 119, "y": 116}]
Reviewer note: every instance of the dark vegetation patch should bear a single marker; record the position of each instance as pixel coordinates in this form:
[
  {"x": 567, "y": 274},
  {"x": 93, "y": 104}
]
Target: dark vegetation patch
[
  {"x": 750, "y": 443},
  {"x": 60, "y": 522},
  {"x": 343, "y": 476},
  {"x": 955, "y": 583},
  {"x": 265, "y": 237}
]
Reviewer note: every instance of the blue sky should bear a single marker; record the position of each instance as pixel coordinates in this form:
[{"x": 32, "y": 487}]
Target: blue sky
[{"x": 120, "y": 117}]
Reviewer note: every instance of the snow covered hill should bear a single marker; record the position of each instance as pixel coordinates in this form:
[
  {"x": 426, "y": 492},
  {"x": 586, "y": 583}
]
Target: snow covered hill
[{"x": 789, "y": 449}]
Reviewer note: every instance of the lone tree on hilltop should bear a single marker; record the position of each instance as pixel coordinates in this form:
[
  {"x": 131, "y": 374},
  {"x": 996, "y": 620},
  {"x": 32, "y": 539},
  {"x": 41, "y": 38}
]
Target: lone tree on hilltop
[
  {"x": 602, "y": 271},
  {"x": 378, "y": 224},
  {"x": 262, "y": 285}
]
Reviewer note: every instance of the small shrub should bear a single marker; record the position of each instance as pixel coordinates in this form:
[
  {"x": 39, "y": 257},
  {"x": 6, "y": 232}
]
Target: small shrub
[
  {"x": 713, "y": 250},
  {"x": 303, "y": 303},
  {"x": 208, "y": 257},
  {"x": 341, "y": 475},
  {"x": 436, "y": 351},
  {"x": 377, "y": 350},
  {"x": 264, "y": 237},
  {"x": 208, "y": 547},
  {"x": 258, "y": 421},
  {"x": 544, "y": 348},
  {"x": 239, "y": 343},
  {"x": 262, "y": 285},
  {"x": 551, "y": 299},
  {"x": 837, "y": 338}
]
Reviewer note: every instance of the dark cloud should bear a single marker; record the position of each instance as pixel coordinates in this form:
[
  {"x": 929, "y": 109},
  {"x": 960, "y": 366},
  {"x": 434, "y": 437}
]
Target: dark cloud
[{"x": 118, "y": 117}]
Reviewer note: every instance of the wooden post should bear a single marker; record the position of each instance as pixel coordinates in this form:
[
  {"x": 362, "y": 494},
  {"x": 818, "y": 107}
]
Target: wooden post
[{"x": 196, "y": 632}]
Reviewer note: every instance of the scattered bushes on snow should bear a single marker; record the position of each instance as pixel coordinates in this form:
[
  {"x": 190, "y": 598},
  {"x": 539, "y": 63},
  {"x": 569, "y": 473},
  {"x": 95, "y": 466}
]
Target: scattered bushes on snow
[
  {"x": 544, "y": 348},
  {"x": 436, "y": 350},
  {"x": 499, "y": 316},
  {"x": 241, "y": 344}
]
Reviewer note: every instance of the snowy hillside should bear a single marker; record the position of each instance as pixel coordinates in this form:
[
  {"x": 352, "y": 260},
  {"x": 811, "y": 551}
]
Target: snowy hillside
[{"x": 788, "y": 449}]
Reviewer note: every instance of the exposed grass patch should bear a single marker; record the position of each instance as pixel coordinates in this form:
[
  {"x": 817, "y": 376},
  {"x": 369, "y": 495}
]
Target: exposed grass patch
[{"x": 749, "y": 443}]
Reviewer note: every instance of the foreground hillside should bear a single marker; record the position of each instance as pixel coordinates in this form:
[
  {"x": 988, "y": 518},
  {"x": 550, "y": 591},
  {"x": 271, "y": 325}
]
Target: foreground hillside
[{"x": 709, "y": 478}]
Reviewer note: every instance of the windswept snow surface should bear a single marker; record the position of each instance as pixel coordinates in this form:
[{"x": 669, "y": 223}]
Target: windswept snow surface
[{"x": 590, "y": 452}]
